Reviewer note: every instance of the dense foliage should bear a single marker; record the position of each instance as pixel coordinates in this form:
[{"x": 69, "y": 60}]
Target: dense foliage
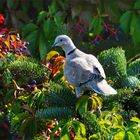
[{"x": 36, "y": 100}]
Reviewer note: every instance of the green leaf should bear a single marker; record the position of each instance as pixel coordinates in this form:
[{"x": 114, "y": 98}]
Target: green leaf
[
  {"x": 33, "y": 40},
  {"x": 82, "y": 104},
  {"x": 65, "y": 137},
  {"x": 135, "y": 119},
  {"x": 27, "y": 29},
  {"x": 53, "y": 8},
  {"x": 41, "y": 17},
  {"x": 80, "y": 129},
  {"x": 23, "y": 125},
  {"x": 137, "y": 4},
  {"x": 65, "y": 133},
  {"x": 83, "y": 129},
  {"x": 46, "y": 27},
  {"x": 135, "y": 28},
  {"x": 79, "y": 138},
  {"x": 96, "y": 26},
  {"x": 7, "y": 76},
  {"x": 131, "y": 136},
  {"x": 1, "y": 63},
  {"x": 126, "y": 137},
  {"x": 43, "y": 48},
  {"x": 58, "y": 18},
  {"x": 137, "y": 136},
  {"x": 95, "y": 137},
  {"x": 125, "y": 21},
  {"x": 50, "y": 30}
]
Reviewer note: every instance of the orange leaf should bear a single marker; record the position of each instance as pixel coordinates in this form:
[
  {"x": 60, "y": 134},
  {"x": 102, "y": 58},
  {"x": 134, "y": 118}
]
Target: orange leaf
[
  {"x": 6, "y": 41},
  {"x": 13, "y": 37},
  {"x": 59, "y": 58}
]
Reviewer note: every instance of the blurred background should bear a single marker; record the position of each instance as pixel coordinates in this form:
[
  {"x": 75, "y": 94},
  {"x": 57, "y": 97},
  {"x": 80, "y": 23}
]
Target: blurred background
[{"x": 94, "y": 25}]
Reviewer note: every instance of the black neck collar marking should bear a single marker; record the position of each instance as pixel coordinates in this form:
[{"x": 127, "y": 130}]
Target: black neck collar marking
[{"x": 71, "y": 51}]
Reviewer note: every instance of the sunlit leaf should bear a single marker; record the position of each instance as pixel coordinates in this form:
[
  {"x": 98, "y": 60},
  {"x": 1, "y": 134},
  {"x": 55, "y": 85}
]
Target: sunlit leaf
[
  {"x": 65, "y": 133},
  {"x": 119, "y": 135},
  {"x": 80, "y": 129},
  {"x": 79, "y": 138},
  {"x": 6, "y": 41},
  {"x": 99, "y": 101},
  {"x": 13, "y": 37},
  {"x": 131, "y": 135},
  {"x": 59, "y": 59},
  {"x": 103, "y": 122},
  {"x": 51, "y": 54},
  {"x": 95, "y": 137},
  {"x": 135, "y": 119}
]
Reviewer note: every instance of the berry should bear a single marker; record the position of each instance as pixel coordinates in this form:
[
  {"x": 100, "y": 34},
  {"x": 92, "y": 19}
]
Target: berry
[
  {"x": 34, "y": 82},
  {"x": 28, "y": 87}
]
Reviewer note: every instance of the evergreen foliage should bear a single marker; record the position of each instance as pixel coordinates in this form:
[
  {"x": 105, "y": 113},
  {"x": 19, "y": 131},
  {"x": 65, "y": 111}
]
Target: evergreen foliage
[
  {"x": 63, "y": 96},
  {"x": 55, "y": 112},
  {"x": 114, "y": 62},
  {"x": 134, "y": 68},
  {"x": 24, "y": 68},
  {"x": 60, "y": 103},
  {"x": 90, "y": 120},
  {"x": 131, "y": 81}
]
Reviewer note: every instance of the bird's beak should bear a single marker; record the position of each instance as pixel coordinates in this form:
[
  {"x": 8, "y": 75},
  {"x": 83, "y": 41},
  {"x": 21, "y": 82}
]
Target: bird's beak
[{"x": 54, "y": 45}]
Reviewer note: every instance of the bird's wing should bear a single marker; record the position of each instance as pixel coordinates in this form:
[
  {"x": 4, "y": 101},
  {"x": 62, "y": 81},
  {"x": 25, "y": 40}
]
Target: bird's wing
[
  {"x": 93, "y": 62},
  {"x": 80, "y": 70}
]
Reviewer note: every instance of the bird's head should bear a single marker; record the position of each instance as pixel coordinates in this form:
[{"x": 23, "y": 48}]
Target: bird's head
[{"x": 65, "y": 42}]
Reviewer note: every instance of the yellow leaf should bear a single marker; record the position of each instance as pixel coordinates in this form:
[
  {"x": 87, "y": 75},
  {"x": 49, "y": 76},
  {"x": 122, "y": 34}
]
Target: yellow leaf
[
  {"x": 103, "y": 122},
  {"x": 13, "y": 37},
  {"x": 99, "y": 101},
  {"x": 6, "y": 41},
  {"x": 51, "y": 54},
  {"x": 119, "y": 136}
]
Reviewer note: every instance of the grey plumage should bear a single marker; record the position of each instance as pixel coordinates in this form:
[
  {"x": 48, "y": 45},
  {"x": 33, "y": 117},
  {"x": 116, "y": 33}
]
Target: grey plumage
[{"x": 82, "y": 70}]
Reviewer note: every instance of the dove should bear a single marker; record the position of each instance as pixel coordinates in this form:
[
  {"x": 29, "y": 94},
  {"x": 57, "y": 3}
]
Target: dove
[{"x": 81, "y": 70}]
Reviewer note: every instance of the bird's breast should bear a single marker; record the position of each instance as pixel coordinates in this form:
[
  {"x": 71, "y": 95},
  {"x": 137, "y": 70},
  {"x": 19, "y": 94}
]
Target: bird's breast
[{"x": 69, "y": 74}]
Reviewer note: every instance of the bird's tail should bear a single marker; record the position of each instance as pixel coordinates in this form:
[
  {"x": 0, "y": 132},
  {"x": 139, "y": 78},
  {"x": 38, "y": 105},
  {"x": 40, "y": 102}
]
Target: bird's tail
[{"x": 103, "y": 87}]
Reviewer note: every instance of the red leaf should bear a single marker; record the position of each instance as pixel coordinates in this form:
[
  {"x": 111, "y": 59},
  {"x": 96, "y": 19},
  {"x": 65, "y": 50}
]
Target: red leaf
[{"x": 1, "y": 19}]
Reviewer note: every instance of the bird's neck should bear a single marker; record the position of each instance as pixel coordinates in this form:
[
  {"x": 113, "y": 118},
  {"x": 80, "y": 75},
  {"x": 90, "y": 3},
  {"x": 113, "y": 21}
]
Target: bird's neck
[
  {"x": 69, "y": 49},
  {"x": 70, "y": 52}
]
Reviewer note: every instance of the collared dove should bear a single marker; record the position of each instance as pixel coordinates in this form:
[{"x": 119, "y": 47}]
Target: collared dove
[{"x": 82, "y": 70}]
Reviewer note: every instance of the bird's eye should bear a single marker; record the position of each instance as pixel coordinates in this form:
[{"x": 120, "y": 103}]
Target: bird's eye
[{"x": 61, "y": 40}]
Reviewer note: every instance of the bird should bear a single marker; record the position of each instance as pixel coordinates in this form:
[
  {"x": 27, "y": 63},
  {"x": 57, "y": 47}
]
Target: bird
[{"x": 82, "y": 71}]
